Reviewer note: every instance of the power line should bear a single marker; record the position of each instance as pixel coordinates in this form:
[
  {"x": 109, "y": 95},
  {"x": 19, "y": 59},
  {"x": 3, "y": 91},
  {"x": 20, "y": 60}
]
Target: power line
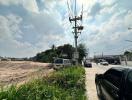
[
  {"x": 69, "y": 9},
  {"x": 75, "y": 9}
]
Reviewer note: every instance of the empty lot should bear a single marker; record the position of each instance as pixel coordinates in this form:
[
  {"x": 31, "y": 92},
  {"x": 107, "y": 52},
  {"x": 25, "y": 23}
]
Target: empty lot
[{"x": 21, "y": 71}]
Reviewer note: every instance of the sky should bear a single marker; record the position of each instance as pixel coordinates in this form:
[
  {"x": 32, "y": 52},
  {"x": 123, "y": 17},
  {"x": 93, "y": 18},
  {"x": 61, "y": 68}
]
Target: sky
[{"x": 31, "y": 26}]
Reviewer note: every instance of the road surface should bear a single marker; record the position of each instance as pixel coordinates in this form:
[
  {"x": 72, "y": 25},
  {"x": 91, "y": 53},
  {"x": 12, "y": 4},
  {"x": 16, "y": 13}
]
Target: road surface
[{"x": 90, "y": 79}]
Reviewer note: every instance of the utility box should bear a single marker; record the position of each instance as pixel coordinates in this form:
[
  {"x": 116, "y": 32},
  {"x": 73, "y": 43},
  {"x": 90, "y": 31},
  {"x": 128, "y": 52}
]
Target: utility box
[{"x": 76, "y": 55}]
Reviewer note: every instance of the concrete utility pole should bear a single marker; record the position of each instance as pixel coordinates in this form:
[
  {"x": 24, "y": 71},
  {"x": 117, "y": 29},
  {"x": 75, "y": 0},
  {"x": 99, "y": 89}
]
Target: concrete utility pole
[{"x": 77, "y": 31}]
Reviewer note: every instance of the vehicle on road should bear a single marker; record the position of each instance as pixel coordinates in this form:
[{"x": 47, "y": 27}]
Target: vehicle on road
[
  {"x": 87, "y": 63},
  {"x": 60, "y": 62},
  {"x": 114, "y": 84},
  {"x": 104, "y": 62}
]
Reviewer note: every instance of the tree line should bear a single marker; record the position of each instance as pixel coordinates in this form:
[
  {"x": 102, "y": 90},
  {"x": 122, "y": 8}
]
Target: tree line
[{"x": 65, "y": 51}]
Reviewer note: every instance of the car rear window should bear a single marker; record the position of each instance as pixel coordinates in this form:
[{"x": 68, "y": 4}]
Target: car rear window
[{"x": 59, "y": 61}]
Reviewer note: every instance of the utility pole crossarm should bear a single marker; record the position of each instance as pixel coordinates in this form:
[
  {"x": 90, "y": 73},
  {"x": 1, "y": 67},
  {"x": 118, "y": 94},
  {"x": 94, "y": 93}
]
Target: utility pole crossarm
[{"x": 76, "y": 18}]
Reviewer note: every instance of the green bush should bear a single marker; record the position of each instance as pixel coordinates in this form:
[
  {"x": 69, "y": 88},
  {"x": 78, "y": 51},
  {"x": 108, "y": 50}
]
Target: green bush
[{"x": 65, "y": 84}]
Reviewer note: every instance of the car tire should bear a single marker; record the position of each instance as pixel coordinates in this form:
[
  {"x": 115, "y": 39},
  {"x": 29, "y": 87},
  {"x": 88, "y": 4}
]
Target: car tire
[{"x": 99, "y": 92}]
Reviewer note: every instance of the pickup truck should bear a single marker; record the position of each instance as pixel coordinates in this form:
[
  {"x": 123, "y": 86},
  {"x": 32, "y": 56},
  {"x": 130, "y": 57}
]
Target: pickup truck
[{"x": 114, "y": 84}]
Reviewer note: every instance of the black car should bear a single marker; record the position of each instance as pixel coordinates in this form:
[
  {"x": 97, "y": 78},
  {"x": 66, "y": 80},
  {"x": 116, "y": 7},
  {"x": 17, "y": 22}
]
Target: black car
[
  {"x": 87, "y": 63},
  {"x": 114, "y": 84}
]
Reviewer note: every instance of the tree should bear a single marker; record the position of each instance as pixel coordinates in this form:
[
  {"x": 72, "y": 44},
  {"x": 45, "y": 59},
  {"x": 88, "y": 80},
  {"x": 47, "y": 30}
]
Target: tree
[
  {"x": 48, "y": 55},
  {"x": 67, "y": 50},
  {"x": 127, "y": 53},
  {"x": 82, "y": 52}
]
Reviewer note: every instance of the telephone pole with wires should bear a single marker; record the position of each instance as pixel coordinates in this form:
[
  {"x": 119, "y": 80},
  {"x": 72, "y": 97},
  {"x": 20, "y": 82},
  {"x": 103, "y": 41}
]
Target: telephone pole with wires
[{"x": 77, "y": 29}]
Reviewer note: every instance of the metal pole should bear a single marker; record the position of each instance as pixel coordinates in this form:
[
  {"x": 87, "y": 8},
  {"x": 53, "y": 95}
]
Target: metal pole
[{"x": 126, "y": 60}]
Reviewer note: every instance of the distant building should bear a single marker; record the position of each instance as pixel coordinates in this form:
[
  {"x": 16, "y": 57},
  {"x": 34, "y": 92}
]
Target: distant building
[
  {"x": 111, "y": 59},
  {"x": 5, "y": 59},
  {"x": 18, "y": 59}
]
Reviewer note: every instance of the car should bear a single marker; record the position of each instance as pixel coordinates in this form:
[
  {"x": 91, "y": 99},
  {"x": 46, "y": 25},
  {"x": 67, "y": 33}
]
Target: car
[
  {"x": 87, "y": 63},
  {"x": 114, "y": 84},
  {"x": 104, "y": 62},
  {"x": 60, "y": 63}
]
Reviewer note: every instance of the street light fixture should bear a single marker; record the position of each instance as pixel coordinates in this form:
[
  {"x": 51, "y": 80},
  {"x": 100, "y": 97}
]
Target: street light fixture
[
  {"x": 129, "y": 28},
  {"x": 128, "y": 40}
]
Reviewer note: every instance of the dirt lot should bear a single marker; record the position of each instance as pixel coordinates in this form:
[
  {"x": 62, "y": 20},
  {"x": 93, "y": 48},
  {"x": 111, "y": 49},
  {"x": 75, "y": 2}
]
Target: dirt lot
[{"x": 21, "y": 71}]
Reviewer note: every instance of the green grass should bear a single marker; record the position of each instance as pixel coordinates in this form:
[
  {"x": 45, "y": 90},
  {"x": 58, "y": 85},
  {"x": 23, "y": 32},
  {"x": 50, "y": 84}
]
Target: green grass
[{"x": 65, "y": 84}]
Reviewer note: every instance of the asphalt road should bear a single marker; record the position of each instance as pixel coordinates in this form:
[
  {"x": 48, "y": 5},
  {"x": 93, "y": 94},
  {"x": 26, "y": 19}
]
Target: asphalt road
[{"x": 106, "y": 67}]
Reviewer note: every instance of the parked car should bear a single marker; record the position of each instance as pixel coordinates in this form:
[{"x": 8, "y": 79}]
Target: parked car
[
  {"x": 114, "y": 84},
  {"x": 87, "y": 63},
  {"x": 60, "y": 62},
  {"x": 104, "y": 62}
]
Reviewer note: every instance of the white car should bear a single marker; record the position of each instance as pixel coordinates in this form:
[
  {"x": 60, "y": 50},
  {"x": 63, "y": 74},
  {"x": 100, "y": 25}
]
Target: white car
[
  {"x": 60, "y": 62},
  {"x": 103, "y": 62}
]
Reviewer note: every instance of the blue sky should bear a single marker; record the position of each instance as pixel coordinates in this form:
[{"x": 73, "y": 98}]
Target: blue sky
[{"x": 31, "y": 26}]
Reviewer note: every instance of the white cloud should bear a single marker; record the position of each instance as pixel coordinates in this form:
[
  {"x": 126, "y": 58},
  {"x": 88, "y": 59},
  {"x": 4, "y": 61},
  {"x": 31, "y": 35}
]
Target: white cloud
[
  {"x": 31, "y": 5},
  {"x": 9, "y": 26},
  {"x": 108, "y": 32},
  {"x": 108, "y": 9},
  {"x": 128, "y": 19},
  {"x": 14, "y": 48},
  {"x": 107, "y": 2},
  {"x": 9, "y": 2},
  {"x": 10, "y": 33},
  {"x": 45, "y": 26},
  {"x": 4, "y": 30}
]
